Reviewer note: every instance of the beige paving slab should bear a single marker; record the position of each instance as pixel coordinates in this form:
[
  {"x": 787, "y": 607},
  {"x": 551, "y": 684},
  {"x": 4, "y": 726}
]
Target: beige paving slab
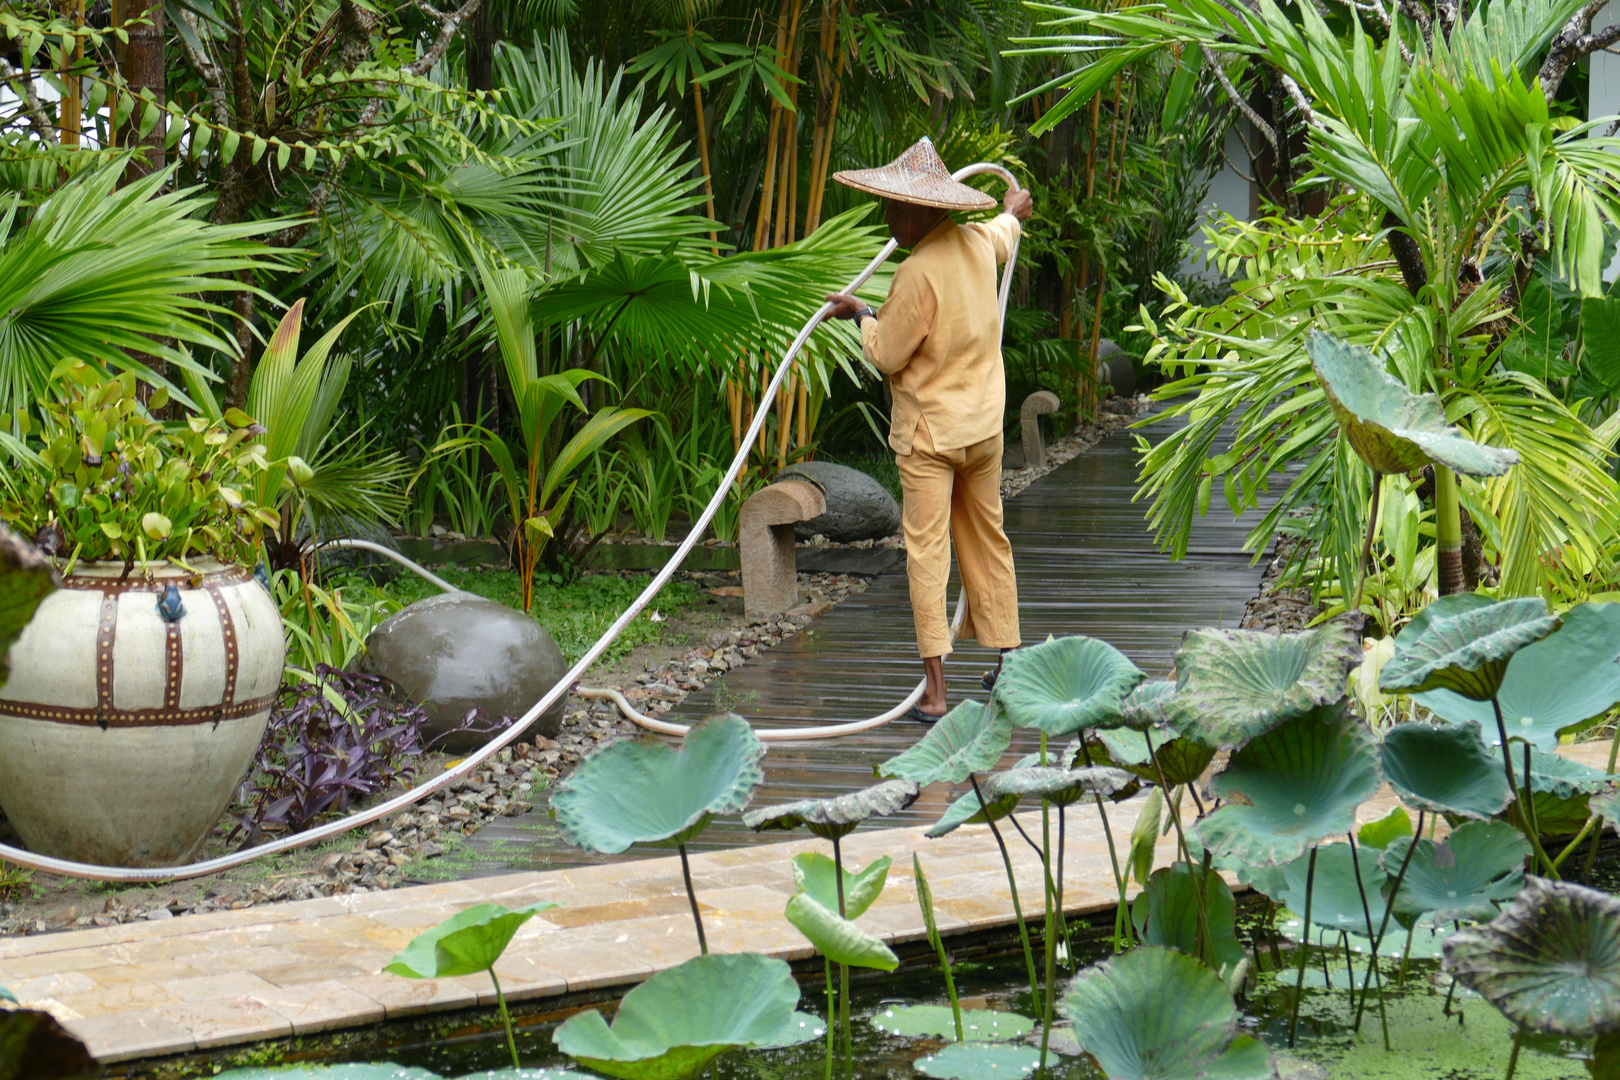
[
  {"x": 321, "y": 1006},
  {"x": 124, "y": 1036},
  {"x": 226, "y": 1021}
]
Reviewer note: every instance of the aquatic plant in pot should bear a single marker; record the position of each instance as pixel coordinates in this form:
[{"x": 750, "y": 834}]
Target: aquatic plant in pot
[{"x": 153, "y": 668}]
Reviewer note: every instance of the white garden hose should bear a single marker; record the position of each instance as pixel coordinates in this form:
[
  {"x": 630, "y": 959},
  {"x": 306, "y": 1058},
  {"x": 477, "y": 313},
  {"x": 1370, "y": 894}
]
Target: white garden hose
[{"x": 68, "y": 868}]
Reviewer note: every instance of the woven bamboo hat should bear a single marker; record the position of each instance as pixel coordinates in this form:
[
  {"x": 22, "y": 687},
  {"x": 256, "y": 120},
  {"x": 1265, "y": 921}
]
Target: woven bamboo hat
[{"x": 917, "y": 176}]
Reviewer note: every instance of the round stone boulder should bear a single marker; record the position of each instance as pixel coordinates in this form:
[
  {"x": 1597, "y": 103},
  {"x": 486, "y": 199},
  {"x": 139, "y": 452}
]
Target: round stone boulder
[
  {"x": 456, "y": 652},
  {"x": 858, "y": 507},
  {"x": 1114, "y": 368}
]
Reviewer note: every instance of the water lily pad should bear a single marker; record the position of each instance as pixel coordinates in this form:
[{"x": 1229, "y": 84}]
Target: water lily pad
[
  {"x": 526, "y": 1074},
  {"x": 1151, "y": 1014},
  {"x": 1183, "y": 759},
  {"x": 1560, "y": 684},
  {"x": 818, "y": 875},
  {"x": 1166, "y": 913},
  {"x": 1061, "y": 787},
  {"x": 1550, "y": 960},
  {"x": 1466, "y": 877},
  {"x": 838, "y": 939},
  {"x": 936, "y": 1021},
  {"x": 671, "y": 1026},
  {"x": 980, "y": 1061},
  {"x": 1065, "y": 684},
  {"x": 1234, "y": 685},
  {"x": 645, "y": 791},
  {"x": 1445, "y": 770},
  {"x": 970, "y": 738},
  {"x": 967, "y": 810},
  {"x": 353, "y": 1070},
  {"x": 1463, "y": 643},
  {"x": 1391, "y": 428},
  {"x": 1292, "y": 788},
  {"x": 1148, "y": 705},
  {"x": 836, "y": 817},
  {"x": 1335, "y": 896},
  {"x": 468, "y": 942}
]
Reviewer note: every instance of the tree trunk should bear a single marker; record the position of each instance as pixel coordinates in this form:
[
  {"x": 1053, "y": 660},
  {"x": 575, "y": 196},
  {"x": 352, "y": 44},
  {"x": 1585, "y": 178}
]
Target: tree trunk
[
  {"x": 480, "y": 37},
  {"x": 141, "y": 65}
]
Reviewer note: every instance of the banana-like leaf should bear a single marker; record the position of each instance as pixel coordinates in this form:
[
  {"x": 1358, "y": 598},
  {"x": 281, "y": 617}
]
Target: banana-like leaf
[
  {"x": 938, "y": 1022},
  {"x": 1445, "y": 770},
  {"x": 1392, "y": 429},
  {"x": 838, "y": 939},
  {"x": 26, "y": 578},
  {"x": 967, "y": 810},
  {"x": 1292, "y": 788},
  {"x": 1463, "y": 643},
  {"x": 970, "y": 738},
  {"x": 1061, "y": 787},
  {"x": 674, "y": 1024},
  {"x": 1166, "y": 913},
  {"x": 836, "y": 817},
  {"x": 1233, "y": 685},
  {"x": 980, "y": 1061},
  {"x": 1467, "y": 876},
  {"x": 469, "y": 941},
  {"x": 817, "y": 875},
  {"x": 1155, "y": 1014},
  {"x": 1065, "y": 684},
  {"x": 1552, "y": 687},
  {"x": 642, "y": 791},
  {"x": 1183, "y": 759},
  {"x": 1549, "y": 961},
  {"x": 1336, "y": 894}
]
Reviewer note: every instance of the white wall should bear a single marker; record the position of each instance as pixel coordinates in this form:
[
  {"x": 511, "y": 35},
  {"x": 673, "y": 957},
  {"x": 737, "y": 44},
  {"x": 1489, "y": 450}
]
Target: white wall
[
  {"x": 1228, "y": 193},
  {"x": 1603, "y": 94}
]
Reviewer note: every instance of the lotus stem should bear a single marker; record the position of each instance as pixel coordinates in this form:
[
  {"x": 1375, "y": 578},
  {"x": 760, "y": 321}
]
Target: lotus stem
[
  {"x": 1447, "y": 532},
  {"x": 1529, "y": 793},
  {"x": 1174, "y": 803},
  {"x": 506, "y": 1018},
  {"x": 950, "y": 987},
  {"x": 832, "y": 1019},
  {"x": 1349, "y": 966},
  {"x": 843, "y": 969},
  {"x": 1012, "y": 887},
  {"x": 1050, "y": 890},
  {"x": 1366, "y": 911},
  {"x": 1445, "y": 1010},
  {"x": 1383, "y": 926},
  {"x": 1518, "y": 793},
  {"x": 1304, "y": 946},
  {"x": 1122, "y": 922},
  {"x": 1513, "y": 1058},
  {"x": 1063, "y": 919},
  {"x": 691, "y": 896},
  {"x": 1575, "y": 843},
  {"x": 1364, "y": 566}
]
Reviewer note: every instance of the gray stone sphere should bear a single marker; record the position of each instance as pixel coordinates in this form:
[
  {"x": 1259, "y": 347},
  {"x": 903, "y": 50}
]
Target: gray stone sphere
[
  {"x": 455, "y": 652},
  {"x": 858, "y": 507}
]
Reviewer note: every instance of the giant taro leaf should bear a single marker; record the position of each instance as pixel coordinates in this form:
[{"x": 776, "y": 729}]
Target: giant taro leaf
[
  {"x": 671, "y": 1026},
  {"x": 644, "y": 791},
  {"x": 469, "y": 941},
  {"x": 1061, "y": 787},
  {"x": 1336, "y": 893},
  {"x": 839, "y": 940},
  {"x": 970, "y": 738},
  {"x": 836, "y": 817},
  {"x": 1392, "y": 429},
  {"x": 817, "y": 875},
  {"x": 1166, "y": 913},
  {"x": 967, "y": 810},
  {"x": 1065, "y": 684},
  {"x": 1182, "y": 759},
  {"x": 1466, "y": 877},
  {"x": 1234, "y": 685},
  {"x": 1559, "y": 684},
  {"x": 26, "y": 578},
  {"x": 1158, "y": 1014},
  {"x": 1290, "y": 789},
  {"x": 1463, "y": 643},
  {"x": 1550, "y": 960},
  {"x": 1445, "y": 770}
]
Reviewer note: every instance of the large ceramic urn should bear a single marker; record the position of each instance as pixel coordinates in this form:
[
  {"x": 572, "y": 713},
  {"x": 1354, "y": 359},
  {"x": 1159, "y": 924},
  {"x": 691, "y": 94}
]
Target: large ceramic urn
[{"x": 135, "y": 704}]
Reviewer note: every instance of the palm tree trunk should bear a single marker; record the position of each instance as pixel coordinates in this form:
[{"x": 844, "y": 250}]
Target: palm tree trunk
[{"x": 140, "y": 63}]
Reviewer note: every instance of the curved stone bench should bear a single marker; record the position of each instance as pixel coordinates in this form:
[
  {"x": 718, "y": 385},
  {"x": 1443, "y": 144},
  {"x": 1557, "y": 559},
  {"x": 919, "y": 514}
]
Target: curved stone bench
[
  {"x": 770, "y": 579},
  {"x": 1040, "y": 403}
]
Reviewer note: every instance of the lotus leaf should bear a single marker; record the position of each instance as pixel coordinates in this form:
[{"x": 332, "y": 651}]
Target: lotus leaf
[
  {"x": 466, "y": 943},
  {"x": 1148, "y": 705},
  {"x": 355, "y": 1070},
  {"x": 1378, "y": 834},
  {"x": 641, "y": 791},
  {"x": 1607, "y": 806},
  {"x": 833, "y": 818},
  {"x": 970, "y": 738},
  {"x": 1166, "y": 913},
  {"x": 839, "y": 940},
  {"x": 1562, "y": 777},
  {"x": 1061, "y": 787},
  {"x": 1246, "y": 1059},
  {"x": 1335, "y": 895},
  {"x": 35, "y": 1046},
  {"x": 1550, "y": 960},
  {"x": 671, "y": 1026},
  {"x": 1298, "y": 785},
  {"x": 1560, "y": 684},
  {"x": 967, "y": 810},
  {"x": 1465, "y": 877},
  {"x": 1445, "y": 770},
  {"x": 1392, "y": 429},
  {"x": 7, "y": 995},
  {"x": 1057, "y": 759},
  {"x": 1182, "y": 759},
  {"x": 1463, "y": 643},
  {"x": 26, "y": 578},
  {"x": 527, "y": 1074},
  {"x": 936, "y": 1021},
  {"x": 1151, "y": 1014},
  {"x": 818, "y": 875},
  {"x": 1234, "y": 685},
  {"x": 1065, "y": 684},
  {"x": 980, "y": 1061}
]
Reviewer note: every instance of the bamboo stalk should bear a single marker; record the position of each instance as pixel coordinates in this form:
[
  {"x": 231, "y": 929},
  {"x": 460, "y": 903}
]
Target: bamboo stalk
[
  {"x": 703, "y": 155},
  {"x": 767, "y": 186},
  {"x": 72, "y": 112},
  {"x": 790, "y": 132}
]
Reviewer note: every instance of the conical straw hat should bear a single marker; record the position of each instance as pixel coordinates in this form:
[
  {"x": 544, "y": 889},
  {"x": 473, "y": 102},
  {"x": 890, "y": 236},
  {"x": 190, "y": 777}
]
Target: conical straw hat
[{"x": 917, "y": 176}]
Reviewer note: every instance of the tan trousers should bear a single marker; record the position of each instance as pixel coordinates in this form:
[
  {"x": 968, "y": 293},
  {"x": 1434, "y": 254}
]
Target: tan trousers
[{"x": 957, "y": 494}]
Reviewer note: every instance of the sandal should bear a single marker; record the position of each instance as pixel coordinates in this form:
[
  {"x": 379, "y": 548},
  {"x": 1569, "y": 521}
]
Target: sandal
[
  {"x": 915, "y": 713},
  {"x": 988, "y": 679}
]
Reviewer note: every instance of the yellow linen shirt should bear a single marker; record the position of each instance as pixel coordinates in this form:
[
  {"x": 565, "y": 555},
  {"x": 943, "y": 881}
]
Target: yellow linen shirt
[{"x": 938, "y": 336}]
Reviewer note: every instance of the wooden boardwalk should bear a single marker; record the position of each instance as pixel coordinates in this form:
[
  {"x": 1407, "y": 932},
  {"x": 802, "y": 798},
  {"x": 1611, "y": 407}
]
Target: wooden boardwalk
[{"x": 1086, "y": 565}]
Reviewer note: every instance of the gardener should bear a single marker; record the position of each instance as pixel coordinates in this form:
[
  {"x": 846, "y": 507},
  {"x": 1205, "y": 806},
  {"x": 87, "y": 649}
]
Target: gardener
[{"x": 938, "y": 339}]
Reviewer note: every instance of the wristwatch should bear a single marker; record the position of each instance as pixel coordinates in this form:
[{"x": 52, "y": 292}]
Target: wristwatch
[{"x": 865, "y": 313}]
